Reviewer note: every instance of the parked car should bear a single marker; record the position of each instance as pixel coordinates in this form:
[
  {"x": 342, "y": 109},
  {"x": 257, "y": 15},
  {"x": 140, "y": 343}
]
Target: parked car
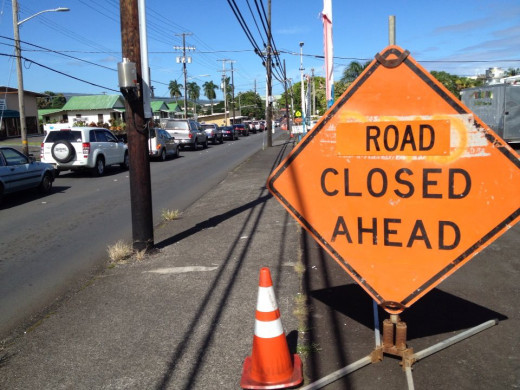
[
  {"x": 250, "y": 126},
  {"x": 241, "y": 129},
  {"x": 161, "y": 144},
  {"x": 259, "y": 125},
  {"x": 213, "y": 132},
  {"x": 80, "y": 148},
  {"x": 187, "y": 133},
  {"x": 19, "y": 172},
  {"x": 228, "y": 132}
]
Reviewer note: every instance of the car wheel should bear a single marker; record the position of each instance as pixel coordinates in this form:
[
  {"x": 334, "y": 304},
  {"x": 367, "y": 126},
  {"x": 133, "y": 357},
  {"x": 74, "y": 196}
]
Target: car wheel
[
  {"x": 221, "y": 139},
  {"x": 63, "y": 151},
  {"x": 177, "y": 152},
  {"x": 126, "y": 162},
  {"x": 46, "y": 184},
  {"x": 163, "y": 154},
  {"x": 205, "y": 144},
  {"x": 99, "y": 168}
]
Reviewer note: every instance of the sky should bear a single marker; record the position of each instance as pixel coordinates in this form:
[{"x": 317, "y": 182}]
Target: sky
[{"x": 78, "y": 51}]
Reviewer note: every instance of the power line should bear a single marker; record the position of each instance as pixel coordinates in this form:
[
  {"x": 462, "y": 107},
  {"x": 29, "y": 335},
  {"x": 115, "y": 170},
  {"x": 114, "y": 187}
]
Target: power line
[{"x": 62, "y": 73}]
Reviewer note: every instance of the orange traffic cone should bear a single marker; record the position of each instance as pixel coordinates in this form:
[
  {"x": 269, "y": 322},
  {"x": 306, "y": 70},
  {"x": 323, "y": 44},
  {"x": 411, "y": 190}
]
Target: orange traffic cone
[{"x": 270, "y": 365}]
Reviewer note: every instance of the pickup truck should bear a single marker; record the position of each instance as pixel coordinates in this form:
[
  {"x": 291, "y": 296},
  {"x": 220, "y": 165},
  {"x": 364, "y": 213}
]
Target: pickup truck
[{"x": 187, "y": 133}]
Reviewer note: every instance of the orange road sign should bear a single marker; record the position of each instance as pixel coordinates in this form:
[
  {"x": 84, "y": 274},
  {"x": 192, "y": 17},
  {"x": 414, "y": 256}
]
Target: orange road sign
[{"x": 400, "y": 182}]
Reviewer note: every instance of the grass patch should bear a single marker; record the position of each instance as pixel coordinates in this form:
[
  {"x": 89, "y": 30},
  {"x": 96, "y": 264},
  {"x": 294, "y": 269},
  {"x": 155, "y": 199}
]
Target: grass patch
[
  {"x": 305, "y": 350},
  {"x": 301, "y": 311},
  {"x": 140, "y": 255},
  {"x": 299, "y": 268},
  {"x": 170, "y": 215},
  {"x": 120, "y": 251}
]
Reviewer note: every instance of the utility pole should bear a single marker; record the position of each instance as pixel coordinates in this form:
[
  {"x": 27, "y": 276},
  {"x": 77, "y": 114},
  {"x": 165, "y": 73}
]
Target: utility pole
[
  {"x": 302, "y": 87},
  {"x": 233, "y": 91},
  {"x": 313, "y": 110},
  {"x": 21, "y": 99},
  {"x": 184, "y": 59},
  {"x": 286, "y": 99},
  {"x": 224, "y": 89},
  {"x": 269, "y": 113},
  {"x": 140, "y": 183},
  {"x": 391, "y": 30},
  {"x": 224, "y": 70}
]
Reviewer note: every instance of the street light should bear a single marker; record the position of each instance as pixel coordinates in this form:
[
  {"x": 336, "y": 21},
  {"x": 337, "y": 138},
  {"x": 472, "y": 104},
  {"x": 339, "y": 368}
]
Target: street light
[{"x": 18, "y": 54}]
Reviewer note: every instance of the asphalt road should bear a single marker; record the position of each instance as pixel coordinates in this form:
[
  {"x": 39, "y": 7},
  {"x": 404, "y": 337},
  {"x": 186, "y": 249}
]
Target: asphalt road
[{"x": 51, "y": 244}]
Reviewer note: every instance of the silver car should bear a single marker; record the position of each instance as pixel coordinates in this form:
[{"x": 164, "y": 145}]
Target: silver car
[
  {"x": 187, "y": 133},
  {"x": 162, "y": 145},
  {"x": 19, "y": 172}
]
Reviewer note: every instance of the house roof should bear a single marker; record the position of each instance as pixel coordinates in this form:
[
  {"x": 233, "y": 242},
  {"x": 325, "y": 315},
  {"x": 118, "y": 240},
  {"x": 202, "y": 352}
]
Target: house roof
[
  {"x": 48, "y": 111},
  {"x": 158, "y": 105},
  {"x": 94, "y": 102},
  {"x": 10, "y": 90},
  {"x": 173, "y": 107}
]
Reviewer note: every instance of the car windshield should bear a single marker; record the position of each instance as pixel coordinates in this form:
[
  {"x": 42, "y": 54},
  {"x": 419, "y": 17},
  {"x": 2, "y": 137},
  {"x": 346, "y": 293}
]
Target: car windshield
[
  {"x": 64, "y": 135},
  {"x": 205, "y": 127},
  {"x": 177, "y": 125}
]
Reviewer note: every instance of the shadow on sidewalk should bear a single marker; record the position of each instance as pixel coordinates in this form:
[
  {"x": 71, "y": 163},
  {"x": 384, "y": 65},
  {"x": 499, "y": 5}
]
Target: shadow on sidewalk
[
  {"x": 226, "y": 276},
  {"x": 451, "y": 313}
]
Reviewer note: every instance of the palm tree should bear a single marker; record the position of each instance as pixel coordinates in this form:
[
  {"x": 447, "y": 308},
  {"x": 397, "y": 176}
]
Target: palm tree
[
  {"x": 193, "y": 91},
  {"x": 209, "y": 91},
  {"x": 352, "y": 71},
  {"x": 175, "y": 89}
]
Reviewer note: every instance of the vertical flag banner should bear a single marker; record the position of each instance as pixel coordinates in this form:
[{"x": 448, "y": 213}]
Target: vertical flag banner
[{"x": 326, "y": 16}]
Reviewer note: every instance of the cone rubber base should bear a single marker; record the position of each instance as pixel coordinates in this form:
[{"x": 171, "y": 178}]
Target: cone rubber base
[{"x": 296, "y": 378}]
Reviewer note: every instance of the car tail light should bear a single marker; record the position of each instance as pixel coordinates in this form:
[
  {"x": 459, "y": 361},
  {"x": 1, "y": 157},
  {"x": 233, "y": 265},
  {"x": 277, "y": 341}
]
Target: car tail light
[
  {"x": 190, "y": 135},
  {"x": 86, "y": 148},
  {"x": 158, "y": 147},
  {"x": 42, "y": 150}
]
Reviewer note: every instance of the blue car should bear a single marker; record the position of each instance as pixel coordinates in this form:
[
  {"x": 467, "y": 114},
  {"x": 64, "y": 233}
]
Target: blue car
[{"x": 19, "y": 172}]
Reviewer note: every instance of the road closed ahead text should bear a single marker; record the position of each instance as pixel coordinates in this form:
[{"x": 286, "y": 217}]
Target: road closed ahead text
[{"x": 405, "y": 138}]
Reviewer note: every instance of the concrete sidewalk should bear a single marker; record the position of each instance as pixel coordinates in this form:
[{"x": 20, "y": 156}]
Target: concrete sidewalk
[{"x": 181, "y": 318}]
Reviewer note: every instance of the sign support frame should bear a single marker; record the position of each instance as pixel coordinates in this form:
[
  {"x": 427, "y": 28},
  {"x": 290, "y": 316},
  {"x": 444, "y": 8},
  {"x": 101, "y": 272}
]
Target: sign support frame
[{"x": 408, "y": 357}]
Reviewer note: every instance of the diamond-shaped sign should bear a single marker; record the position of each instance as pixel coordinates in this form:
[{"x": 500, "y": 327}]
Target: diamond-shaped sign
[{"x": 400, "y": 182}]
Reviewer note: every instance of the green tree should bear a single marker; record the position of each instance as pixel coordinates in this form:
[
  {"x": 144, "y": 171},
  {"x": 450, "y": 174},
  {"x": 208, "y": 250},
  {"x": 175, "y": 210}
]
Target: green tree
[
  {"x": 513, "y": 72},
  {"x": 455, "y": 83},
  {"x": 175, "y": 89},
  {"x": 193, "y": 91},
  {"x": 251, "y": 104},
  {"x": 209, "y": 91},
  {"x": 52, "y": 100},
  {"x": 352, "y": 71}
]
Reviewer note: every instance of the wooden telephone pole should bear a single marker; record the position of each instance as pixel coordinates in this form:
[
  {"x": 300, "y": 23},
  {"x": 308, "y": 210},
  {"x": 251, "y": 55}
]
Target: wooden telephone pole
[{"x": 136, "y": 128}]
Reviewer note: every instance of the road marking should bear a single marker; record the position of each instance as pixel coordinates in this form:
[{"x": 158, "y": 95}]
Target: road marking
[{"x": 181, "y": 270}]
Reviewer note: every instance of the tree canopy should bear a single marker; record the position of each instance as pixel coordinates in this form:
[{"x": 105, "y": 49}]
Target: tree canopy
[
  {"x": 175, "y": 89},
  {"x": 53, "y": 101},
  {"x": 251, "y": 104}
]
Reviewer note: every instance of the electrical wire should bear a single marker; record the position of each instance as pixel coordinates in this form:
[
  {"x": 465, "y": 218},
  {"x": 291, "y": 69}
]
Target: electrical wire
[{"x": 60, "y": 72}]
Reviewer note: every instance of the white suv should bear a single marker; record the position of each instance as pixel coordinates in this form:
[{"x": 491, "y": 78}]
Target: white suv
[{"x": 79, "y": 148}]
